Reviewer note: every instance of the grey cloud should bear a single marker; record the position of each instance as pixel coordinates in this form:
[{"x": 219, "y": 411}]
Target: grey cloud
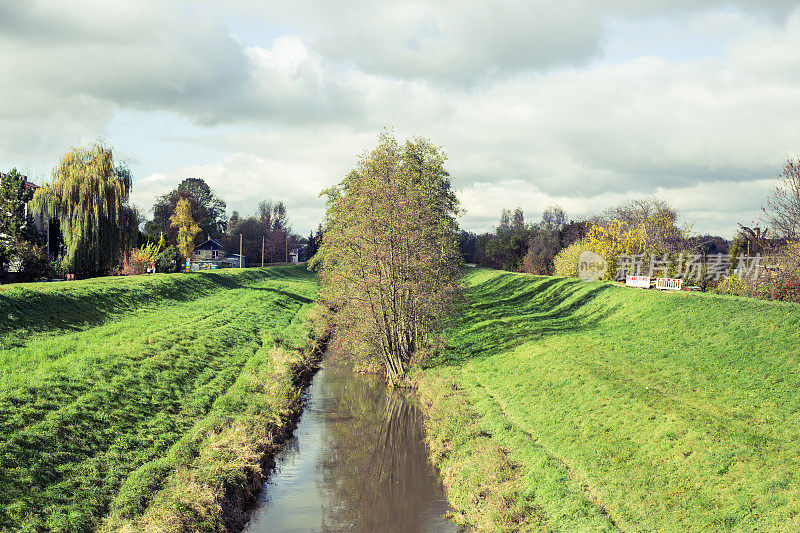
[
  {"x": 59, "y": 52},
  {"x": 446, "y": 41},
  {"x": 152, "y": 56},
  {"x": 460, "y": 44},
  {"x": 486, "y": 81},
  {"x": 466, "y": 43}
]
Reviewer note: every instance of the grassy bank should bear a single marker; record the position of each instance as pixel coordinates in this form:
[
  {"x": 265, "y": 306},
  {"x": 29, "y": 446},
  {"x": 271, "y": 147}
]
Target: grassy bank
[
  {"x": 130, "y": 402},
  {"x": 569, "y": 406}
]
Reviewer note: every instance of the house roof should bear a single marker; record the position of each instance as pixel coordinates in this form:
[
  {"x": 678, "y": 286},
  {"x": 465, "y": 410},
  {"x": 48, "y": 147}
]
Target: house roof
[
  {"x": 210, "y": 244},
  {"x": 28, "y": 184}
]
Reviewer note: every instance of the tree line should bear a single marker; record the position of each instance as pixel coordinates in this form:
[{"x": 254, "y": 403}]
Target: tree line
[
  {"x": 521, "y": 246},
  {"x": 647, "y": 234},
  {"x": 96, "y": 231},
  {"x": 201, "y": 215}
]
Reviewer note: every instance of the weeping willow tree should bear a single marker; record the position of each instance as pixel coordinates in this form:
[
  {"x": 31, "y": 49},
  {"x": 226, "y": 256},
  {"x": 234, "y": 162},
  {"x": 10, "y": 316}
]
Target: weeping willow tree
[{"x": 89, "y": 195}]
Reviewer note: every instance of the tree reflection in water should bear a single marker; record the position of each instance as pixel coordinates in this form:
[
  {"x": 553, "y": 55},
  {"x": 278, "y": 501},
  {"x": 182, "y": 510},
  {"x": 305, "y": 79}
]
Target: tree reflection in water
[
  {"x": 357, "y": 462},
  {"x": 375, "y": 474}
]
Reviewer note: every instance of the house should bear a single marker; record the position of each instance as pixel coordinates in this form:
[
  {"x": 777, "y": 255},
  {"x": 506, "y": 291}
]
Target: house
[
  {"x": 47, "y": 226},
  {"x": 211, "y": 250},
  {"x": 211, "y": 255}
]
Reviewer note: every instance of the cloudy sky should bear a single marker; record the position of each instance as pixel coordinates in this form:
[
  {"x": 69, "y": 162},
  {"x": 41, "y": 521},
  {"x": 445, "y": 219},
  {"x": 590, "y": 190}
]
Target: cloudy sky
[{"x": 580, "y": 103}]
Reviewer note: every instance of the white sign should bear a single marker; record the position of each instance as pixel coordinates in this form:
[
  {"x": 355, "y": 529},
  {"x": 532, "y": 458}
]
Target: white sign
[
  {"x": 643, "y": 282},
  {"x": 669, "y": 284}
]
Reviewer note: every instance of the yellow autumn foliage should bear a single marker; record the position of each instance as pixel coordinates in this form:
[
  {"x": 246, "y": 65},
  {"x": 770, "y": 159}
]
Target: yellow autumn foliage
[
  {"x": 615, "y": 238},
  {"x": 187, "y": 227}
]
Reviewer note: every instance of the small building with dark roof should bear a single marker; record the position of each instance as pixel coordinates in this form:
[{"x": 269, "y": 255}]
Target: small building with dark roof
[{"x": 211, "y": 250}]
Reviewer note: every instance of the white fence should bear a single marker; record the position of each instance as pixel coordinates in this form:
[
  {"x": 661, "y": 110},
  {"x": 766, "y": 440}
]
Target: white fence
[
  {"x": 669, "y": 284},
  {"x": 643, "y": 282}
]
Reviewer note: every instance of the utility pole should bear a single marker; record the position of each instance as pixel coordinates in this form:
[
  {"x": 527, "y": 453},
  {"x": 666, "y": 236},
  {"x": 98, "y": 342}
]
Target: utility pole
[
  {"x": 287, "y": 246},
  {"x": 262, "y": 251},
  {"x": 240, "y": 250}
]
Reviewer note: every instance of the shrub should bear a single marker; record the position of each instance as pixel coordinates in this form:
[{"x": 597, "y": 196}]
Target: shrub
[
  {"x": 566, "y": 262},
  {"x": 169, "y": 260},
  {"x": 135, "y": 263},
  {"x": 733, "y": 285},
  {"x": 781, "y": 281},
  {"x": 56, "y": 269},
  {"x": 33, "y": 261},
  {"x": 785, "y": 289},
  {"x": 139, "y": 260}
]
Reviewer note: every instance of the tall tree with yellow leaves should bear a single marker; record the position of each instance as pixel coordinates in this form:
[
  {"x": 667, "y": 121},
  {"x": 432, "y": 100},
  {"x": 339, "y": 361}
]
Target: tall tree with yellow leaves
[{"x": 187, "y": 227}]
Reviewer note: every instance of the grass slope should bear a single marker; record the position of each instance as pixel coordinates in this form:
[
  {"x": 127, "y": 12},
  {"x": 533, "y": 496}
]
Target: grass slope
[
  {"x": 563, "y": 405},
  {"x": 111, "y": 388}
]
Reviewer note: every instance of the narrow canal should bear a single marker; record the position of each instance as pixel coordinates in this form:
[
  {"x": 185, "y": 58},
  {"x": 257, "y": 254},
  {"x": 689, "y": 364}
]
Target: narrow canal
[{"x": 357, "y": 462}]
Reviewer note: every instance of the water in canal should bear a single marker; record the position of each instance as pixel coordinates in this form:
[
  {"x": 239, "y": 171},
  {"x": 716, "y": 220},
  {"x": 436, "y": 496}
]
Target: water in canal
[{"x": 357, "y": 462}]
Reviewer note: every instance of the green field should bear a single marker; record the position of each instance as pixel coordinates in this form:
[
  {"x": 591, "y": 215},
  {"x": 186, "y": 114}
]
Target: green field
[
  {"x": 571, "y": 406},
  {"x": 130, "y": 402}
]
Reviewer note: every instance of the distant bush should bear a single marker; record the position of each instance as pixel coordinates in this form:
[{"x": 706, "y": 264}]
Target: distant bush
[
  {"x": 735, "y": 286},
  {"x": 779, "y": 282},
  {"x": 565, "y": 262},
  {"x": 169, "y": 260},
  {"x": 33, "y": 264},
  {"x": 135, "y": 263},
  {"x": 139, "y": 260},
  {"x": 786, "y": 289}
]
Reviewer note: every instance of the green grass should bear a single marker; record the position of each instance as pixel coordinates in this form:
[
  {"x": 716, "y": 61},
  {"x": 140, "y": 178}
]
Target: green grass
[
  {"x": 570, "y": 406},
  {"x": 110, "y": 388}
]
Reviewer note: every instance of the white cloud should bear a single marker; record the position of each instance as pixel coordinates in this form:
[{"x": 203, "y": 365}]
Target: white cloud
[
  {"x": 457, "y": 41},
  {"x": 519, "y": 93},
  {"x": 704, "y": 207}
]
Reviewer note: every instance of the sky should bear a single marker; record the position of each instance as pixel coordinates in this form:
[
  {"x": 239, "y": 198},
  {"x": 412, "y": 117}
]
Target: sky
[{"x": 578, "y": 103}]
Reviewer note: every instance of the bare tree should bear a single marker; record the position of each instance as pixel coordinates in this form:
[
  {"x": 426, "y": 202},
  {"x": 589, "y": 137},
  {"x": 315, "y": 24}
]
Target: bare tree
[
  {"x": 553, "y": 219},
  {"x": 656, "y": 217},
  {"x": 505, "y": 218},
  {"x": 782, "y": 211},
  {"x": 518, "y": 223}
]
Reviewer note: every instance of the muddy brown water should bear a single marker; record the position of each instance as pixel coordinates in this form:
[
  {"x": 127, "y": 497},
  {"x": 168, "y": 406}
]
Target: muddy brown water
[{"x": 357, "y": 462}]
